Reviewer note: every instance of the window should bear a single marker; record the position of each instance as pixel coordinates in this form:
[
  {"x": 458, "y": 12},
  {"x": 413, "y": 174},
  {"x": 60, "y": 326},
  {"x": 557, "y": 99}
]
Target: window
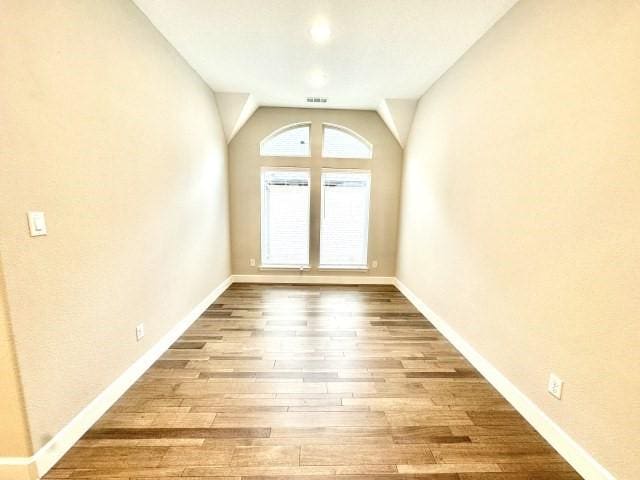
[
  {"x": 289, "y": 141},
  {"x": 339, "y": 142},
  {"x": 285, "y": 217},
  {"x": 344, "y": 225}
]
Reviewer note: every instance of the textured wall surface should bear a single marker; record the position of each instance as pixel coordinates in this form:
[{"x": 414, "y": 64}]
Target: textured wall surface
[
  {"x": 519, "y": 217},
  {"x": 107, "y": 130},
  {"x": 14, "y": 435},
  {"x": 244, "y": 174}
]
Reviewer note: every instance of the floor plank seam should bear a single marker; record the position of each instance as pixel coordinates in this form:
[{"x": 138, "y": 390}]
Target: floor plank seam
[{"x": 312, "y": 382}]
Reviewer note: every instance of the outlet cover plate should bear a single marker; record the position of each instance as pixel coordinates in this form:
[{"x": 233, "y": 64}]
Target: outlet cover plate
[
  {"x": 140, "y": 332},
  {"x": 555, "y": 386}
]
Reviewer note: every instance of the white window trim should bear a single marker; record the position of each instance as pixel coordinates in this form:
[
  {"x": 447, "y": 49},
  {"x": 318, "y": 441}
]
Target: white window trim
[
  {"x": 356, "y": 268},
  {"x": 350, "y": 132},
  {"x": 279, "y": 131},
  {"x": 285, "y": 267},
  {"x": 265, "y": 266},
  {"x": 364, "y": 267}
]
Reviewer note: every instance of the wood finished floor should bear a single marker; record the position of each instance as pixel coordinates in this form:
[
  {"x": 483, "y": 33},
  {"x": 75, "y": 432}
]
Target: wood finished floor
[{"x": 312, "y": 382}]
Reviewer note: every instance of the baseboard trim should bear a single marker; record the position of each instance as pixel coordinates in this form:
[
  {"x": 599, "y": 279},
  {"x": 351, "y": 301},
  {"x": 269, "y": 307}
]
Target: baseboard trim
[
  {"x": 17, "y": 468},
  {"x": 34, "y": 467},
  {"x": 315, "y": 279},
  {"x": 566, "y": 446}
]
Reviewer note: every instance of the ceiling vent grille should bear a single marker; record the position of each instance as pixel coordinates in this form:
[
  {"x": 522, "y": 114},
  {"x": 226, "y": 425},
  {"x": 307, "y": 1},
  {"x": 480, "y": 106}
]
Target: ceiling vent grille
[{"x": 316, "y": 99}]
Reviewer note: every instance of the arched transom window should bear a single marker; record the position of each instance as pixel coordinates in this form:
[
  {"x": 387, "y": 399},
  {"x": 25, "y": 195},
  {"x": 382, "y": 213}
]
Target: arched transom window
[
  {"x": 289, "y": 141},
  {"x": 340, "y": 142}
]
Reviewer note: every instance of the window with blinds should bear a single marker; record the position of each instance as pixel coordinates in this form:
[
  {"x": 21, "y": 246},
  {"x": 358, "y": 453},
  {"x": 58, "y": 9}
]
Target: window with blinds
[
  {"x": 285, "y": 217},
  {"x": 344, "y": 224},
  {"x": 338, "y": 142},
  {"x": 290, "y": 141}
]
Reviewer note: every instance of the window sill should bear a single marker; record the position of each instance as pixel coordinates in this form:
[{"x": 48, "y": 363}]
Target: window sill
[
  {"x": 359, "y": 268},
  {"x": 285, "y": 156},
  {"x": 326, "y": 157},
  {"x": 285, "y": 267}
]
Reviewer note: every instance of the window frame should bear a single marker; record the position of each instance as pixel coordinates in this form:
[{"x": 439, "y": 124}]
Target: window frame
[
  {"x": 281, "y": 130},
  {"x": 273, "y": 266},
  {"x": 348, "y": 131},
  {"x": 365, "y": 266}
]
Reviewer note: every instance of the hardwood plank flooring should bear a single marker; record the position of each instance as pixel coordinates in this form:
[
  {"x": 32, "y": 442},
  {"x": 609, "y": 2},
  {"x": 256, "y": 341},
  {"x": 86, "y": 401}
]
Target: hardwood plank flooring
[{"x": 309, "y": 383}]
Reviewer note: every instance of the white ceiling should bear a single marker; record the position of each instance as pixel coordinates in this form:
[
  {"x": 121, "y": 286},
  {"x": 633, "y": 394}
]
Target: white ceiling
[{"x": 379, "y": 49}]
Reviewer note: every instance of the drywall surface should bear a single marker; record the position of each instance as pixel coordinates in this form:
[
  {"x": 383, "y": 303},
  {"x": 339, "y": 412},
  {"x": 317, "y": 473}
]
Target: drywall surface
[
  {"x": 519, "y": 215},
  {"x": 14, "y": 435},
  {"x": 107, "y": 130},
  {"x": 245, "y": 163}
]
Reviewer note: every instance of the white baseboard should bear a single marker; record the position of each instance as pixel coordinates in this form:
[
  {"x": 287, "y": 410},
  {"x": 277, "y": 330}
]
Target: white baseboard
[
  {"x": 30, "y": 468},
  {"x": 319, "y": 279},
  {"x": 566, "y": 446},
  {"x": 27, "y": 468}
]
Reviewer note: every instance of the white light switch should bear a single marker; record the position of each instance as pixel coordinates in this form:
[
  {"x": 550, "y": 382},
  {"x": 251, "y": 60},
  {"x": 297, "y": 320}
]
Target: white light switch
[{"x": 37, "y": 224}]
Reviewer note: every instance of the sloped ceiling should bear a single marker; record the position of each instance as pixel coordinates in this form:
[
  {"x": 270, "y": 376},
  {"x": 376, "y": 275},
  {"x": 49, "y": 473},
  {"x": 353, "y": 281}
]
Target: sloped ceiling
[
  {"x": 398, "y": 114},
  {"x": 376, "y": 50},
  {"x": 235, "y": 109}
]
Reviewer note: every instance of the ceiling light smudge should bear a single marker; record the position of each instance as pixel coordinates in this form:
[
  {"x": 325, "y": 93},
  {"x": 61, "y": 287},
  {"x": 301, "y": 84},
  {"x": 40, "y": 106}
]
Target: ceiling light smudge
[
  {"x": 320, "y": 32},
  {"x": 318, "y": 79}
]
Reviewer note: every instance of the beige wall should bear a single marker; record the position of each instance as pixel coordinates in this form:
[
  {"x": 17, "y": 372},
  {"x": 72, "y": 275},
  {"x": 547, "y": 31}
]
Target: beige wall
[
  {"x": 244, "y": 176},
  {"x": 520, "y": 222},
  {"x": 14, "y": 435},
  {"x": 108, "y": 131}
]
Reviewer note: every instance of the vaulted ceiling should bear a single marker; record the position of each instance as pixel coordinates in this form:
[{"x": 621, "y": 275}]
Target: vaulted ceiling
[{"x": 356, "y": 53}]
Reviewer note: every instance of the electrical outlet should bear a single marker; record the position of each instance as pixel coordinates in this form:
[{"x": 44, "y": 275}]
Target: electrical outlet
[
  {"x": 140, "y": 332},
  {"x": 555, "y": 386},
  {"x": 252, "y": 262},
  {"x": 374, "y": 264}
]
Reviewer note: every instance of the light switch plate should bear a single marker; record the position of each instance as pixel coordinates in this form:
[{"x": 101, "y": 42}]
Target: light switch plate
[{"x": 37, "y": 224}]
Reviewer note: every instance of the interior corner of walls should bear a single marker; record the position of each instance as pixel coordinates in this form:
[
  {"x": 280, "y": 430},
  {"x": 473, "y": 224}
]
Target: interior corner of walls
[
  {"x": 385, "y": 114},
  {"x": 402, "y": 112},
  {"x": 250, "y": 107},
  {"x": 234, "y": 109}
]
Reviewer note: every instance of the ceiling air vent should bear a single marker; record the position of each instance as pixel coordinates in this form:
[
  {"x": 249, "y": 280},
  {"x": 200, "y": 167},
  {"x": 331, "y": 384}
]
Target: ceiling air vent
[{"x": 316, "y": 99}]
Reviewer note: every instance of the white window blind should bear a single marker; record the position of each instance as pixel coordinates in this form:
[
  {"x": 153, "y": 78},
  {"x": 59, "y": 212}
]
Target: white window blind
[
  {"x": 344, "y": 223},
  {"x": 339, "y": 143},
  {"x": 292, "y": 141},
  {"x": 285, "y": 217}
]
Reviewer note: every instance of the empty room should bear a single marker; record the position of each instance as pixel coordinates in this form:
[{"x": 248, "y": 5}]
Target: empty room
[{"x": 320, "y": 239}]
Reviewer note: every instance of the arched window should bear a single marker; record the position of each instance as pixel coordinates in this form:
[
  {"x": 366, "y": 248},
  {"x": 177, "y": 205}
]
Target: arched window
[
  {"x": 340, "y": 142},
  {"x": 289, "y": 141}
]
